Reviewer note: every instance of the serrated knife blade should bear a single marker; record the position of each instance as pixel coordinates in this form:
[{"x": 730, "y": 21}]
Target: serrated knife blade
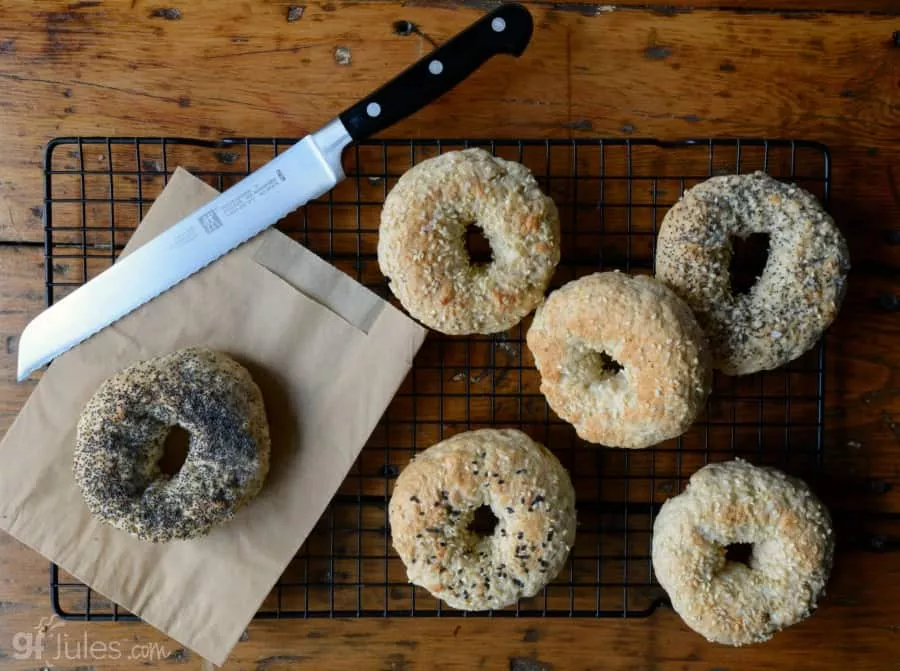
[
  {"x": 293, "y": 178},
  {"x": 302, "y": 173}
]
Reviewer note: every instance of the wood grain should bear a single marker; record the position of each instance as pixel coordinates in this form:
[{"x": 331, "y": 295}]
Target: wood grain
[
  {"x": 786, "y": 8},
  {"x": 854, "y": 627},
  {"x": 826, "y": 70},
  {"x": 627, "y": 74}
]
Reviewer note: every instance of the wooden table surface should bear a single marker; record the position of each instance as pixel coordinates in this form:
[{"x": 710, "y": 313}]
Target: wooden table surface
[{"x": 826, "y": 70}]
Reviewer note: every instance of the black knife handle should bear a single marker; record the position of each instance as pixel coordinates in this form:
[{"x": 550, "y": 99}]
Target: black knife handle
[{"x": 505, "y": 30}]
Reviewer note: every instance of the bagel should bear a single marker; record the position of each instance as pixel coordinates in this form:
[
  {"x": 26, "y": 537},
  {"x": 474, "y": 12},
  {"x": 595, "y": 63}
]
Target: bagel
[
  {"x": 121, "y": 436},
  {"x": 434, "y": 502},
  {"x": 637, "y": 322},
  {"x": 730, "y": 602},
  {"x": 422, "y": 251},
  {"x": 800, "y": 290}
]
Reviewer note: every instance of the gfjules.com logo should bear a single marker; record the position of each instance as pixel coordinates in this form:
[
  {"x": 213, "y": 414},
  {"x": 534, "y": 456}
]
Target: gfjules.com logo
[{"x": 50, "y": 643}]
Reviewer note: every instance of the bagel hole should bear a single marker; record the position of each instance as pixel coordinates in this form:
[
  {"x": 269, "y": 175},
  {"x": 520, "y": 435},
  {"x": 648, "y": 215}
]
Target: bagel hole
[
  {"x": 477, "y": 246},
  {"x": 483, "y": 522},
  {"x": 748, "y": 260},
  {"x": 175, "y": 450},
  {"x": 589, "y": 366},
  {"x": 607, "y": 364},
  {"x": 600, "y": 365},
  {"x": 739, "y": 552}
]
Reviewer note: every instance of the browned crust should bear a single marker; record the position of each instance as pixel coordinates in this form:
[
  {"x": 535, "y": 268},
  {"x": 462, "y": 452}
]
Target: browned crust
[
  {"x": 645, "y": 327},
  {"x": 736, "y": 502},
  {"x": 434, "y": 501},
  {"x": 421, "y": 245}
]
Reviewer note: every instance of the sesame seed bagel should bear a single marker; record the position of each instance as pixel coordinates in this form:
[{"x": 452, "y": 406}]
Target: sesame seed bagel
[
  {"x": 121, "y": 437},
  {"x": 435, "y": 499},
  {"x": 422, "y": 250},
  {"x": 638, "y": 323},
  {"x": 800, "y": 290},
  {"x": 731, "y": 602}
]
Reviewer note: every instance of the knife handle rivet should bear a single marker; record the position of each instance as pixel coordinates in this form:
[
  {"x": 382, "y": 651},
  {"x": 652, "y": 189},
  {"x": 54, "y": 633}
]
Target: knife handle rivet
[
  {"x": 435, "y": 67},
  {"x": 373, "y": 109},
  {"x": 498, "y": 24}
]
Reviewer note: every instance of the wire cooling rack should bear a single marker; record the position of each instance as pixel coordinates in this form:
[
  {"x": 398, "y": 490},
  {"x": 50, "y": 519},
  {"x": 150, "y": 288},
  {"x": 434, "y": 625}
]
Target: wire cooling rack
[{"x": 612, "y": 195}]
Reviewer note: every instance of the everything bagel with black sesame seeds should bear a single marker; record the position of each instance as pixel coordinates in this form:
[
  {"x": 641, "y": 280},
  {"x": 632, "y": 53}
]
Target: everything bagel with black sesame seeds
[
  {"x": 121, "y": 436},
  {"x": 435, "y": 499},
  {"x": 800, "y": 290}
]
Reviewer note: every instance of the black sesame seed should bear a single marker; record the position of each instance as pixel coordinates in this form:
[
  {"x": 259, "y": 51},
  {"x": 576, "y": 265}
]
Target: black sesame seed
[
  {"x": 518, "y": 583},
  {"x": 501, "y": 482},
  {"x": 433, "y": 530},
  {"x": 444, "y": 495},
  {"x": 414, "y": 499},
  {"x": 520, "y": 535},
  {"x": 510, "y": 510},
  {"x": 550, "y": 535},
  {"x": 520, "y": 471},
  {"x": 503, "y": 532}
]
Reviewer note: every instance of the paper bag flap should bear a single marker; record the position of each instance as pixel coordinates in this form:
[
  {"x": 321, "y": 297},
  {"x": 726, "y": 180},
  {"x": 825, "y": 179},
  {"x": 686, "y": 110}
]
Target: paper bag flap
[
  {"x": 325, "y": 382},
  {"x": 319, "y": 280}
]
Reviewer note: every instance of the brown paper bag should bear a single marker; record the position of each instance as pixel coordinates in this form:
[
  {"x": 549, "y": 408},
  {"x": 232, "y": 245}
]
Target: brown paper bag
[{"x": 328, "y": 354}]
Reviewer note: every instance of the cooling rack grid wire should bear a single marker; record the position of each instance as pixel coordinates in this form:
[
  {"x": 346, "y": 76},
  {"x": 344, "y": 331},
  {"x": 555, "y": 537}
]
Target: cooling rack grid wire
[{"x": 612, "y": 196}]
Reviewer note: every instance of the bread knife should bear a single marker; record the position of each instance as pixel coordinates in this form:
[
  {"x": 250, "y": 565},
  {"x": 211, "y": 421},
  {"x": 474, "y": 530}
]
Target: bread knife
[{"x": 305, "y": 171}]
